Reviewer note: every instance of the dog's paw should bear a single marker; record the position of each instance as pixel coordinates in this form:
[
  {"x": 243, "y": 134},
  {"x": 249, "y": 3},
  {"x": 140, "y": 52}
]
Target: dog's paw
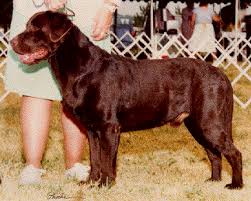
[{"x": 234, "y": 186}]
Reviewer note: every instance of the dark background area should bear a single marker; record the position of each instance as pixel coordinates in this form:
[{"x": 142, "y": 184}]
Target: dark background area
[{"x": 5, "y": 13}]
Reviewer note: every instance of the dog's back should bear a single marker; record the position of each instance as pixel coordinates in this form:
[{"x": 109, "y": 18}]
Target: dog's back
[{"x": 150, "y": 93}]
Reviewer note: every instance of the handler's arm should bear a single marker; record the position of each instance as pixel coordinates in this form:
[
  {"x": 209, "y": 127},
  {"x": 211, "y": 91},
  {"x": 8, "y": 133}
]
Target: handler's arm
[
  {"x": 103, "y": 19},
  {"x": 55, "y": 5}
]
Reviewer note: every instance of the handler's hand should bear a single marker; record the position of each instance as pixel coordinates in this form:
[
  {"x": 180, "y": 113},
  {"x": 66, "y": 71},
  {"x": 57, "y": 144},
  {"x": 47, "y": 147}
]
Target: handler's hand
[
  {"x": 102, "y": 23},
  {"x": 55, "y": 5}
]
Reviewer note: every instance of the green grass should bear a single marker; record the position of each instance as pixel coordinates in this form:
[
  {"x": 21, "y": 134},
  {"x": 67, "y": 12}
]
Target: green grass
[{"x": 156, "y": 164}]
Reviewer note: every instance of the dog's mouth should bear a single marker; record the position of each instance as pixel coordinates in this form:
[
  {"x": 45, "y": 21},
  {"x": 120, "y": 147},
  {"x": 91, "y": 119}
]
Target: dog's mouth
[{"x": 32, "y": 58}]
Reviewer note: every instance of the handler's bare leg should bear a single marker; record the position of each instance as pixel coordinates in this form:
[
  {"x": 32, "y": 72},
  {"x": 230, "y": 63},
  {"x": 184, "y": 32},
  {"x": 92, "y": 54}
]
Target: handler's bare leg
[
  {"x": 35, "y": 118},
  {"x": 74, "y": 142}
]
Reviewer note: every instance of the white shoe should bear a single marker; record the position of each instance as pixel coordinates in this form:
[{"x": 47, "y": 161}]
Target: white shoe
[
  {"x": 31, "y": 175},
  {"x": 79, "y": 172}
]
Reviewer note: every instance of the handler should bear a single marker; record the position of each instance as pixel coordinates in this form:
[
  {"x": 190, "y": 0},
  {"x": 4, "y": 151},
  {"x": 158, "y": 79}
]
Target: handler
[{"x": 38, "y": 88}]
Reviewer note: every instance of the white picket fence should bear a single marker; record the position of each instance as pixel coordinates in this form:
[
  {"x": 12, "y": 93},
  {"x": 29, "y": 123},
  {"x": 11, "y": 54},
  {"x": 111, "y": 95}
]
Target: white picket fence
[{"x": 231, "y": 56}]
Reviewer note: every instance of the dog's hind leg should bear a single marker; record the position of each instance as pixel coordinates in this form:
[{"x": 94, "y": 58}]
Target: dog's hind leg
[
  {"x": 216, "y": 139},
  {"x": 213, "y": 154},
  {"x": 233, "y": 156}
]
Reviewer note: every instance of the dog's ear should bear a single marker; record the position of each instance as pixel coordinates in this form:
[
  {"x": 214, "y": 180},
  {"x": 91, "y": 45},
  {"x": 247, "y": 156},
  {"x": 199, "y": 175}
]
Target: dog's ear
[
  {"x": 38, "y": 21},
  {"x": 60, "y": 25}
]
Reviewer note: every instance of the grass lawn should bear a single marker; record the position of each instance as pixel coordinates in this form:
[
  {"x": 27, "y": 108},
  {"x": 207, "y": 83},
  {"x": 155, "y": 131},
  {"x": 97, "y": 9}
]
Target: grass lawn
[{"x": 161, "y": 164}]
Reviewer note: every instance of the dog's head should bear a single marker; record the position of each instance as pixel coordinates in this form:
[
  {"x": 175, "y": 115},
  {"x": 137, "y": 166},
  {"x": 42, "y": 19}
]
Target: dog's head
[{"x": 44, "y": 33}]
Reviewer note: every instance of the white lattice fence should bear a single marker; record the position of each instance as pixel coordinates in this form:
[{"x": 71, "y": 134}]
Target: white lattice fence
[
  {"x": 231, "y": 56},
  {"x": 3, "y": 53}
]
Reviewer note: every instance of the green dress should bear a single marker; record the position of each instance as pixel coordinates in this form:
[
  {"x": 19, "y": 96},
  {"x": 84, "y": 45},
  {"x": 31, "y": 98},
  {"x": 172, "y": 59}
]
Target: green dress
[{"x": 38, "y": 80}]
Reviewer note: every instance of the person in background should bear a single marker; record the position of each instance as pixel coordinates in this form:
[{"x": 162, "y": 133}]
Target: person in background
[
  {"x": 247, "y": 20},
  {"x": 38, "y": 87},
  {"x": 187, "y": 25},
  {"x": 228, "y": 15},
  {"x": 162, "y": 16},
  {"x": 203, "y": 37}
]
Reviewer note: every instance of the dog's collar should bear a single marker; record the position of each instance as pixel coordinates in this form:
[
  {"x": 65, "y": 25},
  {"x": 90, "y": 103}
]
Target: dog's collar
[{"x": 62, "y": 36}]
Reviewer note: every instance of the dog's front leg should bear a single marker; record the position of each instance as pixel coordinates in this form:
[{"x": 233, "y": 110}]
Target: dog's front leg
[
  {"x": 94, "y": 144},
  {"x": 109, "y": 142}
]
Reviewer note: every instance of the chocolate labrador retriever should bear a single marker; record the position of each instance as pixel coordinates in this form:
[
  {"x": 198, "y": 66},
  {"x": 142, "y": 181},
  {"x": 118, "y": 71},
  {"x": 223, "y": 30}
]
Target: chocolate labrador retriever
[{"x": 110, "y": 94}]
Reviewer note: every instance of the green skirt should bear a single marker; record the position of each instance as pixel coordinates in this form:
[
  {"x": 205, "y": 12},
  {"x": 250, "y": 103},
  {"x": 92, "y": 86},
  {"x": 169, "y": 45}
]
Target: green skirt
[{"x": 38, "y": 80}]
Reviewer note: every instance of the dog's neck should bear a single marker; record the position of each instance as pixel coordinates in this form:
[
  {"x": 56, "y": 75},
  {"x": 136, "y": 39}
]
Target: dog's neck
[
  {"x": 76, "y": 46},
  {"x": 83, "y": 40},
  {"x": 78, "y": 35}
]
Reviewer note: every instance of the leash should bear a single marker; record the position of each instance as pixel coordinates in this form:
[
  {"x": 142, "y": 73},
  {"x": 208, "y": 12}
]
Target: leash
[
  {"x": 57, "y": 40},
  {"x": 40, "y": 3},
  {"x": 63, "y": 35},
  {"x": 72, "y": 13},
  {"x": 67, "y": 11}
]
